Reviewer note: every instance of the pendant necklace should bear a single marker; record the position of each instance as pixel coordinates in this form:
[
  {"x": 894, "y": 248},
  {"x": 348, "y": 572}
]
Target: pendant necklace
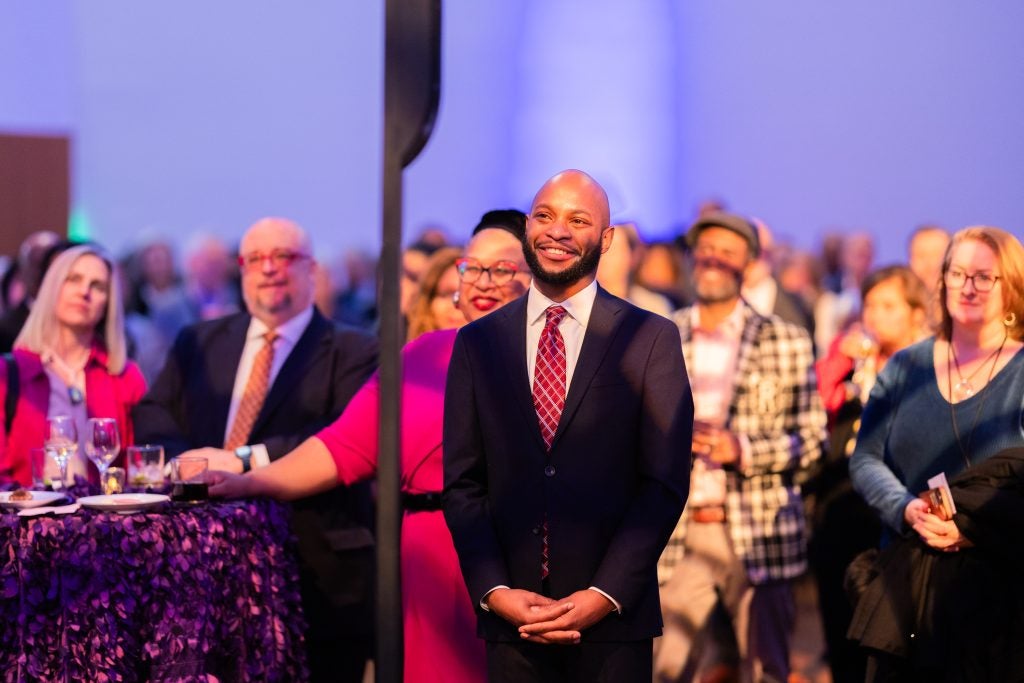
[
  {"x": 69, "y": 375},
  {"x": 966, "y": 452},
  {"x": 964, "y": 386}
]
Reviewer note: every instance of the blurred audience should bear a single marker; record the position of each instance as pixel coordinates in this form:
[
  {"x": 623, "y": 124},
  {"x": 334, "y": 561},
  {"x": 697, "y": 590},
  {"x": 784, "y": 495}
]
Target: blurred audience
[
  {"x": 414, "y": 264},
  {"x": 71, "y": 359},
  {"x": 356, "y": 301},
  {"x": 158, "y": 290},
  {"x": 26, "y": 277},
  {"x": 832, "y": 261},
  {"x": 434, "y": 305},
  {"x": 615, "y": 272},
  {"x": 833, "y": 313},
  {"x": 210, "y": 283},
  {"x": 893, "y": 317},
  {"x": 12, "y": 289},
  {"x": 926, "y": 248},
  {"x": 763, "y": 291},
  {"x": 664, "y": 270}
]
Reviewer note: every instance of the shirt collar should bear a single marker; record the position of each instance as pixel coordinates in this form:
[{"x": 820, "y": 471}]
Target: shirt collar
[
  {"x": 731, "y": 326},
  {"x": 578, "y": 306},
  {"x": 289, "y": 331}
]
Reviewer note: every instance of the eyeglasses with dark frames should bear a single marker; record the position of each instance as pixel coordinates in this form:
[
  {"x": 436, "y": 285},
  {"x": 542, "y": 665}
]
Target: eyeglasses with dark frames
[
  {"x": 983, "y": 282},
  {"x": 280, "y": 258},
  {"x": 501, "y": 273}
]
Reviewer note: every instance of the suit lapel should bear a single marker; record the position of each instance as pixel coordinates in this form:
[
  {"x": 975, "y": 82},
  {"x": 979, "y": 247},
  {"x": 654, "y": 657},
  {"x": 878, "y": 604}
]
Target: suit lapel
[
  {"x": 513, "y": 347},
  {"x": 224, "y": 355},
  {"x": 292, "y": 372},
  {"x": 751, "y": 329},
  {"x": 604, "y": 321}
]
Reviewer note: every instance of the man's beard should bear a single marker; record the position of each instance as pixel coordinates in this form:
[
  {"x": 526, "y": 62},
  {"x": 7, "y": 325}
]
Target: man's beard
[
  {"x": 586, "y": 265},
  {"x": 727, "y": 290}
]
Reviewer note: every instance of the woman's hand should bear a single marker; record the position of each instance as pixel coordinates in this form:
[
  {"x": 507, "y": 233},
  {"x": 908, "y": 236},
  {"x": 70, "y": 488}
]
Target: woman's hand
[
  {"x": 941, "y": 534},
  {"x": 916, "y": 512}
]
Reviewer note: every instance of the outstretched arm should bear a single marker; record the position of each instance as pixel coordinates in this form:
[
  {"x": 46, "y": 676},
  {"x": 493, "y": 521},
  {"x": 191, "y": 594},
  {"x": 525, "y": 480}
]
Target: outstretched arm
[{"x": 307, "y": 470}]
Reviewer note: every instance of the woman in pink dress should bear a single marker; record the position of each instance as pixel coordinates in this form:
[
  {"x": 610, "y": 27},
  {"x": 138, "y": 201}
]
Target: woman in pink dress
[{"x": 439, "y": 620}]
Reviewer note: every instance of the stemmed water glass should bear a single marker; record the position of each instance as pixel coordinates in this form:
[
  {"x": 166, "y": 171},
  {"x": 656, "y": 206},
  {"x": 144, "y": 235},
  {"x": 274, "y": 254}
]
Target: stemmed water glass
[
  {"x": 61, "y": 443},
  {"x": 102, "y": 443}
]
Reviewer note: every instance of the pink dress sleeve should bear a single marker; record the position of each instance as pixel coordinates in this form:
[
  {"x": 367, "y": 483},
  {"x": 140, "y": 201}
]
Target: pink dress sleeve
[{"x": 352, "y": 438}]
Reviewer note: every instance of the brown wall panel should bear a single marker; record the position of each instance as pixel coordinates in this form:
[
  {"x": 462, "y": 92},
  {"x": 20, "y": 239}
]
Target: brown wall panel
[{"x": 34, "y": 187}]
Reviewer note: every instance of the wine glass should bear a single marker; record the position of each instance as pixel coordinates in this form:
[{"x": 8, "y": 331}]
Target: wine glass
[
  {"x": 61, "y": 443},
  {"x": 102, "y": 443}
]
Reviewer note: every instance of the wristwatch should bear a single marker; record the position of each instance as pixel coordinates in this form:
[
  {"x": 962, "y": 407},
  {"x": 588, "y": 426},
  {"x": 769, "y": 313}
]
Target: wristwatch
[{"x": 244, "y": 453}]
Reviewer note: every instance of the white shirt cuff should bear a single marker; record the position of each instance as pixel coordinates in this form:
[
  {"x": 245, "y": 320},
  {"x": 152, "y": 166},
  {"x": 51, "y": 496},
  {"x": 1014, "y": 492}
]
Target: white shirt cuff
[
  {"x": 259, "y": 457},
  {"x": 618, "y": 607},
  {"x": 483, "y": 600}
]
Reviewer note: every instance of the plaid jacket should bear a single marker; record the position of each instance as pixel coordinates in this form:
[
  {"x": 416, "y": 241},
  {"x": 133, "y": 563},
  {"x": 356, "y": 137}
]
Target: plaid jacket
[{"x": 776, "y": 406}]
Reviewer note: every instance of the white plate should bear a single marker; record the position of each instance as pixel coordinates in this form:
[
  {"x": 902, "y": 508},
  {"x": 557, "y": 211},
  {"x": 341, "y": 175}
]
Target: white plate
[
  {"x": 39, "y": 498},
  {"x": 124, "y": 502}
]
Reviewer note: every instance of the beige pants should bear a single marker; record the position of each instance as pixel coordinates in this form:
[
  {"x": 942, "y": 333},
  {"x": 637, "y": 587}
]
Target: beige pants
[{"x": 762, "y": 616}]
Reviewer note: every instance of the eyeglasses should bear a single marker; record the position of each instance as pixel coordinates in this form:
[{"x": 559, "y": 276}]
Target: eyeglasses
[
  {"x": 983, "y": 282},
  {"x": 280, "y": 258},
  {"x": 501, "y": 273}
]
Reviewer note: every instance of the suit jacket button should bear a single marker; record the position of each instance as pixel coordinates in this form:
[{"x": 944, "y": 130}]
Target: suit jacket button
[
  {"x": 549, "y": 471},
  {"x": 536, "y": 531}
]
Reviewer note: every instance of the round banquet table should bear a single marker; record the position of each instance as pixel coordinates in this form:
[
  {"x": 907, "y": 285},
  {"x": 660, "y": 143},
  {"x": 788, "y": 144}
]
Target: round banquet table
[{"x": 172, "y": 593}]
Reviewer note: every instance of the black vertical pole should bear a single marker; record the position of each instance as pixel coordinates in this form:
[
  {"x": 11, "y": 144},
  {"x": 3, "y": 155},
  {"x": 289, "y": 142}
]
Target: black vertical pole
[{"x": 412, "y": 84}]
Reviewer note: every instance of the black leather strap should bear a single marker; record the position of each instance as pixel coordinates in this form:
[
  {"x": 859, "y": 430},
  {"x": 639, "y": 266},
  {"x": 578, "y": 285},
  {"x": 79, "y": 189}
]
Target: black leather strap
[
  {"x": 421, "y": 502},
  {"x": 13, "y": 388}
]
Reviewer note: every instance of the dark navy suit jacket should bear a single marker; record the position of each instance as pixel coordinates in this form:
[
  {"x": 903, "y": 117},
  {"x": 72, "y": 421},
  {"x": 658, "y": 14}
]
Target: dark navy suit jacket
[
  {"x": 187, "y": 407},
  {"x": 613, "y": 485}
]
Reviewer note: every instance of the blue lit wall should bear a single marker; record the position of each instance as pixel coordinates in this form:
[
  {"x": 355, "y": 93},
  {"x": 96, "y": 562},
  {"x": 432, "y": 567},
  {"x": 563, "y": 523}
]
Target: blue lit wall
[{"x": 200, "y": 115}]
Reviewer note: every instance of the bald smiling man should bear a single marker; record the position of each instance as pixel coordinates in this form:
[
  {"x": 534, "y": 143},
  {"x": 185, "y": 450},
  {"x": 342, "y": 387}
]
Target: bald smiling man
[{"x": 567, "y": 430}]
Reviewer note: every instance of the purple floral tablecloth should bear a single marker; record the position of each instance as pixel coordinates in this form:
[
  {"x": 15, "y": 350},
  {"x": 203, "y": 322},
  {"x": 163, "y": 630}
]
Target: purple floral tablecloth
[{"x": 169, "y": 594}]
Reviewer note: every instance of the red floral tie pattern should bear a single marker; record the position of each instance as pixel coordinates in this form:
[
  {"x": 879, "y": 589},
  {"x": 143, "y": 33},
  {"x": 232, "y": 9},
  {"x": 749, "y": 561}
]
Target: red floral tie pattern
[{"x": 549, "y": 394}]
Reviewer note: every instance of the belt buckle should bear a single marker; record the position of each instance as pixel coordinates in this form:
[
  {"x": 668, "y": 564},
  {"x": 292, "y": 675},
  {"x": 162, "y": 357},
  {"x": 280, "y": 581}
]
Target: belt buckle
[{"x": 708, "y": 515}]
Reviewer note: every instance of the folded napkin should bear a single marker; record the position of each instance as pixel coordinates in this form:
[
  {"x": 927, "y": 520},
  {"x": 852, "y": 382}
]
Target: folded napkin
[{"x": 49, "y": 509}]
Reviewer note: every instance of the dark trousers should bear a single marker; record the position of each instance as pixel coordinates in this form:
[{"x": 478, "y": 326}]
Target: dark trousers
[{"x": 588, "y": 662}]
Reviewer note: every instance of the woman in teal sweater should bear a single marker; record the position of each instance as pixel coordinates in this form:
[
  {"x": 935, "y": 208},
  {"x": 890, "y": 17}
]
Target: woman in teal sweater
[{"x": 952, "y": 400}]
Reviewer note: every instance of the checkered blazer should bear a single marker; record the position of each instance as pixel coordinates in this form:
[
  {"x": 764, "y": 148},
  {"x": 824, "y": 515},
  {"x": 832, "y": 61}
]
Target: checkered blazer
[{"x": 776, "y": 406}]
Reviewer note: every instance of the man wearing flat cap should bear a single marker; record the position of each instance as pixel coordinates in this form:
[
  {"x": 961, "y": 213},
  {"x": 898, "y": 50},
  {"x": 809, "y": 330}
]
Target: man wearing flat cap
[{"x": 758, "y": 422}]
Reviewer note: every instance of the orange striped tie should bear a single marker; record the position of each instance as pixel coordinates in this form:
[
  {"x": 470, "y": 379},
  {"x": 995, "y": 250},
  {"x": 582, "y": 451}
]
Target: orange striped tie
[{"x": 255, "y": 393}]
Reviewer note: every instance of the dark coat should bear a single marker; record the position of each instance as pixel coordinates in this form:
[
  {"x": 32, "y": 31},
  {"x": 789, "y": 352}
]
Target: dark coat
[
  {"x": 187, "y": 407},
  {"x": 955, "y": 616},
  {"x": 613, "y": 485}
]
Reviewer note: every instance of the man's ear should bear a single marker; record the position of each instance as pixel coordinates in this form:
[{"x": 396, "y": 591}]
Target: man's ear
[{"x": 606, "y": 238}]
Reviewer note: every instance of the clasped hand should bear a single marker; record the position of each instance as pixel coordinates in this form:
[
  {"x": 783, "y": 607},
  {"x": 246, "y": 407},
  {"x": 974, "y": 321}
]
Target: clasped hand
[
  {"x": 544, "y": 620},
  {"x": 934, "y": 531}
]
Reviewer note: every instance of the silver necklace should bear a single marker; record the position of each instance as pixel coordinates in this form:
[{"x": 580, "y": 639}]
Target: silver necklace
[
  {"x": 966, "y": 452},
  {"x": 964, "y": 386}
]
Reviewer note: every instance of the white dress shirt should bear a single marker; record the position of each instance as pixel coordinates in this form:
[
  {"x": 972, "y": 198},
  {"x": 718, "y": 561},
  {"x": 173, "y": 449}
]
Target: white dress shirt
[
  {"x": 288, "y": 336},
  {"x": 573, "y": 328},
  {"x": 712, "y": 378}
]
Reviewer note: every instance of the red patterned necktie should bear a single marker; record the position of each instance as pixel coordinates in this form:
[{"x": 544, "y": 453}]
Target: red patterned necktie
[
  {"x": 254, "y": 395},
  {"x": 549, "y": 394}
]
